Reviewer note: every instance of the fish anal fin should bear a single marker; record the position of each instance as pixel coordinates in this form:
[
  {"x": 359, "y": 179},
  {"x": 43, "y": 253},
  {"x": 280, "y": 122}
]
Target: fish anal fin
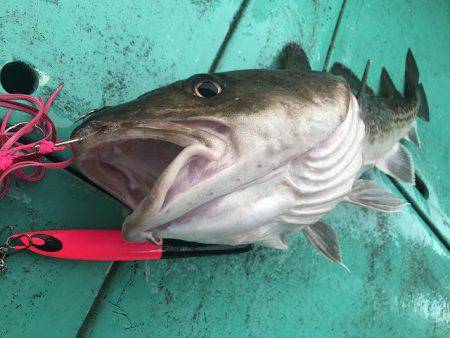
[
  {"x": 275, "y": 241},
  {"x": 398, "y": 164},
  {"x": 294, "y": 57},
  {"x": 424, "y": 112},
  {"x": 323, "y": 237},
  {"x": 368, "y": 194}
]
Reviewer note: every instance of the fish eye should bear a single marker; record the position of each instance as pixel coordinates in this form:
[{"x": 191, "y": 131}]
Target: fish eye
[{"x": 207, "y": 88}]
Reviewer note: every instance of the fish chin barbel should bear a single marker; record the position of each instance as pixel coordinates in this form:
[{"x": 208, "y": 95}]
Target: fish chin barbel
[{"x": 250, "y": 156}]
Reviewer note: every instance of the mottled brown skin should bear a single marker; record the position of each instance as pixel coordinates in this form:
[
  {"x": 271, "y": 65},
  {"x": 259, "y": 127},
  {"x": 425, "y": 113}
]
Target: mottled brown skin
[
  {"x": 244, "y": 92},
  {"x": 260, "y": 122},
  {"x": 382, "y": 116}
]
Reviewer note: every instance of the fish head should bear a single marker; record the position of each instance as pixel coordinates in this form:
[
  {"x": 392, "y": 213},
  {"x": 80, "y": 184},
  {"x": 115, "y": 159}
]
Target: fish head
[{"x": 177, "y": 148}]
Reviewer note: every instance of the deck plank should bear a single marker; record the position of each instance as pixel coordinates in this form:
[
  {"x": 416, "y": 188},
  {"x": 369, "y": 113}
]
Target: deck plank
[
  {"x": 267, "y": 26},
  {"x": 105, "y": 52},
  {"x": 383, "y": 31}
]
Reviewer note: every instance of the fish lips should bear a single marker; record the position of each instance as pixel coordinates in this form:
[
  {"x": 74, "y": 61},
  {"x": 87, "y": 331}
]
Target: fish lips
[{"x": 146, "y": 164}]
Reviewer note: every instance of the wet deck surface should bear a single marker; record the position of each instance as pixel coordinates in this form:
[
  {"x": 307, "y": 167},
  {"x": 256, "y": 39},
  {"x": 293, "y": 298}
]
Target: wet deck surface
[{"x": 108, "y": 52}]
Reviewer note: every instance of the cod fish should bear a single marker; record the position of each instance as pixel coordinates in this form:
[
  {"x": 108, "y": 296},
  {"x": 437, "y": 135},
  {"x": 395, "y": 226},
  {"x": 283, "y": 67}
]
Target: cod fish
[{"x": 249, "y": 156}]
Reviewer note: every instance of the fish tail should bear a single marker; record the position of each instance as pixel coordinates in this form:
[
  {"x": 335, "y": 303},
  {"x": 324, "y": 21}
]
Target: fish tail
[{"x": 414, "y": 89}]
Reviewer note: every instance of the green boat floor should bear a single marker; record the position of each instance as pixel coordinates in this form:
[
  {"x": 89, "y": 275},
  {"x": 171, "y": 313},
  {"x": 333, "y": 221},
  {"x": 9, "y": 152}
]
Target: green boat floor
[
  {"x": 108, "y": 52},
  {"x": 49, "y": 297}
]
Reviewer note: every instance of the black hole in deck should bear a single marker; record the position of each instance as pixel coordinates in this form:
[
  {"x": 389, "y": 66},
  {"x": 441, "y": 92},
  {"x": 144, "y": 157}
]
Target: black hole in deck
[
  {"x": 17, "y": 77},
  {"x": 421, "y": 186}
]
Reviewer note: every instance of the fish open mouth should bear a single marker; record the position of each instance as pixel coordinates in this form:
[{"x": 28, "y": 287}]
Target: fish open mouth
[{"x": 151, "y": 165}]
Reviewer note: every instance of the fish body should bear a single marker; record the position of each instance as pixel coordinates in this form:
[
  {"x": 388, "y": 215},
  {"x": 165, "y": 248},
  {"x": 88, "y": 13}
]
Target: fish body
[{"x": 244, "y": 156}]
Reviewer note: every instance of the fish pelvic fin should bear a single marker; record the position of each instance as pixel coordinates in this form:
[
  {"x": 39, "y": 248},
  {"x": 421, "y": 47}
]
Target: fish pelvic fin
[
  {"x": 350, "y": 77},
  {"x": 413, "y": 136},
  {"x": 387, "y": 87},
  {"x": 414, "y": 89},
  {"x": 398, "y": 164},
  {"x": 369, "y": 195},
  {"x": 323, "y": 237},
  {"x": 294, "y": 57}
]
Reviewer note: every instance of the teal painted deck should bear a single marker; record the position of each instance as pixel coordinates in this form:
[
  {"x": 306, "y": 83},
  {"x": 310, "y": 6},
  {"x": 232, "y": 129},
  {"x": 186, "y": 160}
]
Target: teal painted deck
[{"x": 108, "y": 52}]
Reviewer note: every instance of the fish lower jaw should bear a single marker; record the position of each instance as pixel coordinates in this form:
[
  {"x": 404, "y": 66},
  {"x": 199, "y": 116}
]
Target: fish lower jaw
[
  {"x": 166, "y": 187},
  {"x": 146, "y": 168}
]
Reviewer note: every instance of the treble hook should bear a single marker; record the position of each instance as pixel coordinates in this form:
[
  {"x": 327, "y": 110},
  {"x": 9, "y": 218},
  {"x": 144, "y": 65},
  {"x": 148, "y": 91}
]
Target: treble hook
[
  {"x": 10, "y": 248},
  {"x": 4, "y": 249}
]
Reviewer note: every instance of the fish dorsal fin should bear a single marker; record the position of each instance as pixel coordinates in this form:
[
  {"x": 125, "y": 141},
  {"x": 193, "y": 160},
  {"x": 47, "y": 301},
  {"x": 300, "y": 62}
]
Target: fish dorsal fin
[
  {"x": 362, "y": 88},
  {"x": 350, "y": 77},
  {"x": 275, "y": 241},
  {"x": 368, "y": 194},
  {"x": 398, "y": 164},
  {"x": 414, "y": 89},
  {"x": 411, "y": 74},
  {"x": 387, "y": 86},
  {"x": 294, "y": 57},
  {"x": 323, "y": 237},
  {"x": 412, "y": 135}
]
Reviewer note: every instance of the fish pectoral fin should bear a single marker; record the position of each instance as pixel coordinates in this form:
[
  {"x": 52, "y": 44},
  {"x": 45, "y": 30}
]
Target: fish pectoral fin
[
  {"x": 398, "y": 164},
  {"x": 323, "y": 237},
  {"x": 294, "y": 57},
  {"x": 368, "y": 194},
  {"x": 274, "y": 241},
  {"x": 412, "y": 135}
]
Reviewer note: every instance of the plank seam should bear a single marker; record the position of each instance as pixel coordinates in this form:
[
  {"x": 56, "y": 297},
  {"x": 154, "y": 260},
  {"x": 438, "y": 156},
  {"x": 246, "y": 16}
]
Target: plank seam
[
  {"x": 333, "y": 38},
  {"x": 91, "y": 315},
  {"x": 233, "y": 25},
  {"x": 421, "y": 214}
]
